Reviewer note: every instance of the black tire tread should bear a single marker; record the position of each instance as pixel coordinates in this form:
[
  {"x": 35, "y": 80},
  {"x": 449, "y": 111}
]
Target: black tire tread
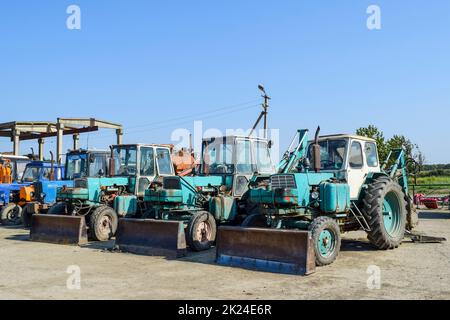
[{"x": 372, "y": 206}]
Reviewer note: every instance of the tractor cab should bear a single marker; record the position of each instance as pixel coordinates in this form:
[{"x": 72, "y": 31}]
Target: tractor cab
[
  {"x": 142, "y": 164},
  {"x": 41, "y": 171},
  {"x": 12, "y": 168},
  {"x": 237, "y": 159},
  {"x": 86, "y": 163},
  {"x": 349, "y": 157}
]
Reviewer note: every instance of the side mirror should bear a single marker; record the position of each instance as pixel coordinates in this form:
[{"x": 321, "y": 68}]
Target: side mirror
[
  {"x": 270, "y": 144},
  {"x": 101, "y": 173}
]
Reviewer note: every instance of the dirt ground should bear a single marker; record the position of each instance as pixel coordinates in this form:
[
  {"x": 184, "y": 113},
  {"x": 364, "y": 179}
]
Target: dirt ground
[{"x": 39, "y": 271}]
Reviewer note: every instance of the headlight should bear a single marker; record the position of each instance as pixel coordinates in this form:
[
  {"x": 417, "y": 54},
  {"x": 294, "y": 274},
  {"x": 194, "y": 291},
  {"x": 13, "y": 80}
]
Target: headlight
[{"x": 315, "y": 195}]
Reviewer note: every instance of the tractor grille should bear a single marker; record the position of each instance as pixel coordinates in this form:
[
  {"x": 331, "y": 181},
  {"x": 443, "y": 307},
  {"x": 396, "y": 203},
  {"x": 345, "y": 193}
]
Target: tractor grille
[
  {"x": 282, "y": 181},
  {"x": 172, "y": 183},
  {"x": 38, "y": 191}
]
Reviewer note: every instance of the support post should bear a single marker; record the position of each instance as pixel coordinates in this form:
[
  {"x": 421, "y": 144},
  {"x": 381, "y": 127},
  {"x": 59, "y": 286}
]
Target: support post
[
  {"x": 59, "y": 141},
  {"x": 16, "y": 142},
  {"x": 119, "y": 133},
  {"x": 41, "y": 149},
  {"x": 76, "y": 141}
]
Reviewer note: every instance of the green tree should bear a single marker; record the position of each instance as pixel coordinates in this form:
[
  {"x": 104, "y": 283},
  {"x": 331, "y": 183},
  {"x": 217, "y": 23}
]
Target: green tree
[
  {"x": 374, "y": 133},
  {"x": 396, "y": 142}
]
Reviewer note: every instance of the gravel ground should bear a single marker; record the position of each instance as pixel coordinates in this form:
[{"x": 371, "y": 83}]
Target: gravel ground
[{"x": 39, "y": 271}]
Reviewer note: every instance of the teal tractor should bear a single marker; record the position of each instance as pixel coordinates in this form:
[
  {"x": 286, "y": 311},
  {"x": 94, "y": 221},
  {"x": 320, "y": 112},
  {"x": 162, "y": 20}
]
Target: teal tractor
[
  {"x": 185, "y": 211},
  {"x": 92, "y": 207},
  {"x": 323, "y": 188},
  {"x": 79, "y": 164}
]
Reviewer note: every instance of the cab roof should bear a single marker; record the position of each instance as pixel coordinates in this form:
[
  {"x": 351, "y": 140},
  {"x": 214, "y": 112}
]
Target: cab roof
[
  {"x": 238, "y": 137},
  {"x": 345, "y": 136}
]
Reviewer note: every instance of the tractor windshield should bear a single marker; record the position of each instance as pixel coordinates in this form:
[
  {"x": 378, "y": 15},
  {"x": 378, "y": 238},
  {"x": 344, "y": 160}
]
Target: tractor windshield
[
  {"x": 34, "y": 174},
  {"x": 332, "y": 154},
  {"x": 218, "y": 156},
  {"x": 125, "y": 161},
  {"x": 85, "y": 165},
  {"x": 76, "y": 166}
]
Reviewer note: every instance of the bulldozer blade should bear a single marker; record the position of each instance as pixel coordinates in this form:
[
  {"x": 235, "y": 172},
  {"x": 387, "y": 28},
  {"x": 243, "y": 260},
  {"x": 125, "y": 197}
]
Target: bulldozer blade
[
  {"x": 58, "y": 229},
  {"x": 270, "y": 250},
  {"x": 151, "y": 237}
]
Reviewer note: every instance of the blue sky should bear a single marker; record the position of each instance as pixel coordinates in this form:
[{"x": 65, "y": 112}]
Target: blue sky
[{"x": 158, "y": 65}]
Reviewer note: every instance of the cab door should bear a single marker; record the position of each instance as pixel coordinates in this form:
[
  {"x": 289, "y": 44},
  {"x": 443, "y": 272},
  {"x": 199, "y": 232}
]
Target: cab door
[
  {"x": 147, "y": 170},
  {"x": 357, "y": 171}
]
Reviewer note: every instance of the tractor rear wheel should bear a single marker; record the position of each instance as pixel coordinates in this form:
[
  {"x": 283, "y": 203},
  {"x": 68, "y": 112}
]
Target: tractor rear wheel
[
  {"x": 11, "y": 215},
  {"x": 326, "y": 236},
  {"x": 201, "y": 231},
  {"x": 385, "y": 207},
  {"x": 103, "y": 224}
]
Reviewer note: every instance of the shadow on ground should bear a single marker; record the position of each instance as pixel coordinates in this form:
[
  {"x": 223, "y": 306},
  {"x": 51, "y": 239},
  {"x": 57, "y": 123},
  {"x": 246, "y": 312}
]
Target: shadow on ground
[{"x": 434, "y": 215}]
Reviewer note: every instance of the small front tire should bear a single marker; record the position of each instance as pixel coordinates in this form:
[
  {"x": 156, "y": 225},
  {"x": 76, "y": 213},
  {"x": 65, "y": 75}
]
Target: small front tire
[
  {"x": 326, "y": 237},
  {"x": 103, "y": 224},
  {"x": 201, "y": 231},
  {"x": 11, "y": 215}
]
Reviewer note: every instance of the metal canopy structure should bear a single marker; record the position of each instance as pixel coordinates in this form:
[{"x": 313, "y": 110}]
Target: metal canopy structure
[{"x": 19, "y": 131}]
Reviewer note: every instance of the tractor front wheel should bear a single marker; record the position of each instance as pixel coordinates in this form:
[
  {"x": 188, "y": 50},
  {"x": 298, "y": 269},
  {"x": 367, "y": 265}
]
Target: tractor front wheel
[
  {"x": 326, "y": 237},
  {"x": 385, "y": 207},
  {"x": 103, "y": 224},
  {"x": 11, "y": 215},
  {"x": 201, "y": 231}
]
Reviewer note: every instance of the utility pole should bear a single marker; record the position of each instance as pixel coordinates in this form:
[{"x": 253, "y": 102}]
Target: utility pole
[{"x": 264, "y": 113}]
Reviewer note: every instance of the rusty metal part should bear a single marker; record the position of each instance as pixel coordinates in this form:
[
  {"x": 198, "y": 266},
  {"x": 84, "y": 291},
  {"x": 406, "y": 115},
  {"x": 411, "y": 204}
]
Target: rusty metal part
[
  {"x": 151, "y": 237},
  {"x": 58, "y": 229},
  {"x": 281, "y": 251}
]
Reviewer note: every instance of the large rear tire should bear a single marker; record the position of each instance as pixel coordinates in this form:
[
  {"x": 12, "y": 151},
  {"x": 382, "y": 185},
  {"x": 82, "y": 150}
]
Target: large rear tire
[
  {"x": 11, "y": 215},
  {"x": 326, "y": 236},
  {"x": 103, "y": 224},
  {"x": 201, "y": 231},
  {"x": 385, "y": 207}
]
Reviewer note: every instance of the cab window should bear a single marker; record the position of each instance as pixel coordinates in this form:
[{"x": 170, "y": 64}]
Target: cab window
[
  {"x": 356, "y": 156},
  {"x": 164, "y": 161},
  {"x": 371, "y": 154},
  {"x": 147, "y": 162}
]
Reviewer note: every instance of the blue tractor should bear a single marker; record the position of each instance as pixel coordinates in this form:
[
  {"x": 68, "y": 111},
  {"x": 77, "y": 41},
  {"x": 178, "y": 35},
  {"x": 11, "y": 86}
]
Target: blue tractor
[
  {"x": 323, "y": 188},
  {"x": 13, "y": 197},
  {"x": 79, "y": 164}
]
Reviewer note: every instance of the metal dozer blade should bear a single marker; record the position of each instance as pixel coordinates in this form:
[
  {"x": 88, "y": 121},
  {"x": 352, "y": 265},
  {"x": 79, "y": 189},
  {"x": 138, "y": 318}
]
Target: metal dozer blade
[
  {"x": 151, "y": 237},
  {"x": 59, "y": 229},
  {"x": 270, "y": 250}
]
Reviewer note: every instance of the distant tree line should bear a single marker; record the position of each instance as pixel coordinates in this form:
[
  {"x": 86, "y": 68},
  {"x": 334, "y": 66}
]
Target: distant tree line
[{"x": 397, "y": 141}]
